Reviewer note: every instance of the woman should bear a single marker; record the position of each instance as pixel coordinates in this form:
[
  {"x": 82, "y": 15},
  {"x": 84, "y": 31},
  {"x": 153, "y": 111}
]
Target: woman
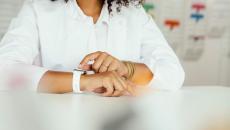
[{"x": 115, "y": 39}]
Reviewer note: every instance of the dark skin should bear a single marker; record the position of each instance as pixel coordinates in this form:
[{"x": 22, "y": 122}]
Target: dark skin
[{"x": 110, "y": 78}]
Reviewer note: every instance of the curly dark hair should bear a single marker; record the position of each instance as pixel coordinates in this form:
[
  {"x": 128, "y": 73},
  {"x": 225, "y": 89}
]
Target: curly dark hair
[{"x": 120, "y": 3}]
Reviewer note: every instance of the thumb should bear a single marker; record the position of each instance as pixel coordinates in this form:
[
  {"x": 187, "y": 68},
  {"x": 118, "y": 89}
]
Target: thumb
[{"x": 130, "y": 88}]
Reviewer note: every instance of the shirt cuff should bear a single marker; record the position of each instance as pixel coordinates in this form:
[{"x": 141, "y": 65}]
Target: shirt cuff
[{"x": 36, "y": 73}]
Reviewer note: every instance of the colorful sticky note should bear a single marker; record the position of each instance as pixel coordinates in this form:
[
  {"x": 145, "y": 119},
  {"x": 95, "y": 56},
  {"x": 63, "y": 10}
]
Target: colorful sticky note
[
  {"x": 148, "y": 6},
  {"x": 198, "y": 6},
  {"x": 172, "y": 24},
  {"x": 197, "y": 16}
]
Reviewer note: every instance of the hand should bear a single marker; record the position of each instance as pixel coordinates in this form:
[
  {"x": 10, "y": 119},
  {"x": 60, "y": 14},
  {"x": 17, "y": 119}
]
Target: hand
[
  {"x": 103, "y": 62},
  {"x": 109, "y": 84}
]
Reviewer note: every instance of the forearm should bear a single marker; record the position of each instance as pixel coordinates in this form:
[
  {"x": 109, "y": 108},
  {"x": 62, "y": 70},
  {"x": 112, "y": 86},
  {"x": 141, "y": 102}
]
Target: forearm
[
  {"x": 142, "y": 74},
  {"x": 56, "y": 82},
  {"x": 61, "y": 82}
]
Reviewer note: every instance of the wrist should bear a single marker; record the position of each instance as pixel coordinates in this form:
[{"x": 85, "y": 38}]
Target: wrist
[
  {"x": 83, "y": 82},
  {"x": 77, "y": 80},
  {"x": 90, "y": 82}
]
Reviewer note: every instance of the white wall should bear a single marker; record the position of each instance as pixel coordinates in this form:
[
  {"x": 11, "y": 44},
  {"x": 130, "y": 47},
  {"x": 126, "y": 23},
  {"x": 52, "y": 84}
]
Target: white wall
[
  {"x": 211, "y": 62},
  {"x": 8, "y": 10}
]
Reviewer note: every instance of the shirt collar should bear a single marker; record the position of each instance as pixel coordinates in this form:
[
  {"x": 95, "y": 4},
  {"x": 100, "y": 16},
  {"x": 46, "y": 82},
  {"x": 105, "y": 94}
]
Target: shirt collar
[
  {"x": 104, "y": 16},
  {"x": 79, "y": 14}
]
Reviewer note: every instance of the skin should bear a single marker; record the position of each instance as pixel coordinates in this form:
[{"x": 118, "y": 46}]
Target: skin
[
  {"x": 104, "y": 62},
  {"x": 110, "y": 78}
]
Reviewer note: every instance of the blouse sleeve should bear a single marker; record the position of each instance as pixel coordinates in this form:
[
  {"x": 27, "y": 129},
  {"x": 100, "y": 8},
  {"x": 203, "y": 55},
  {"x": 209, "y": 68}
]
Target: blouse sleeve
[
  {"x": 159, "y": 57},
  {"x": 18, "y": 50}
]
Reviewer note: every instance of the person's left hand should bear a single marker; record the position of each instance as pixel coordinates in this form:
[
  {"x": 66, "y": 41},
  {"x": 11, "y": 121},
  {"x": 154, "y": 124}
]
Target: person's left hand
[{"x": 103, "y": 62}]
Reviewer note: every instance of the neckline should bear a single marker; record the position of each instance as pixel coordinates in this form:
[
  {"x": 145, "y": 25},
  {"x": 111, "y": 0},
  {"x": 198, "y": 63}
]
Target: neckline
[{"x": 79, "y": 14}]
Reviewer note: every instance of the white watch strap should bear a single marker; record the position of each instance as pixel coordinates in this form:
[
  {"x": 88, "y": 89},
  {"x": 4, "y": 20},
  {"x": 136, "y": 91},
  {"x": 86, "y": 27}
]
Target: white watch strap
[{"x": 76, "y": 81}]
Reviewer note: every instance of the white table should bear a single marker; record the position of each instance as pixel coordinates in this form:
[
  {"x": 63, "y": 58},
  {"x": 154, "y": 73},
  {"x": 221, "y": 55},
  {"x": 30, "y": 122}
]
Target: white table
[{"x": 192, "y": 108}]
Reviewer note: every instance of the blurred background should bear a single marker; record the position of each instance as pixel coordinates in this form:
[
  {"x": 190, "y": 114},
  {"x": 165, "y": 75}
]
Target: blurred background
[{"x": 198, "y": 31}]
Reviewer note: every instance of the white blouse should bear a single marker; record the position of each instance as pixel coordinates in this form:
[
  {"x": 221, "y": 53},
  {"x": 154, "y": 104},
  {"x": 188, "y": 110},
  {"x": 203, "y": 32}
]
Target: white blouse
[{"x": 57, "y": 35}]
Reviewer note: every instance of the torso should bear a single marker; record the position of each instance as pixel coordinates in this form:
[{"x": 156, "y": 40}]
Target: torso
[{"x": 71, "y": 38}]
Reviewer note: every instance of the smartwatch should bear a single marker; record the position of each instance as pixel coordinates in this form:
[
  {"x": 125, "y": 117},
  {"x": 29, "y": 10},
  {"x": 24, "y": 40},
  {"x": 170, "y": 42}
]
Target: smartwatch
[{"x": 76, "y": 80}]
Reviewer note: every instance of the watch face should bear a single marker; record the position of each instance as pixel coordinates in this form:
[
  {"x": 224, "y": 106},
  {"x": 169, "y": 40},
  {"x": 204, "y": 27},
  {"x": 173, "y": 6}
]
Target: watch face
[{"x": 81, "y": 70}]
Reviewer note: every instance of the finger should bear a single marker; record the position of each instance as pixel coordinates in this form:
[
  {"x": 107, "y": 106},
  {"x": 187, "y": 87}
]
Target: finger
[
  {"x": 97, "y": 64},
  {"x": 117, "y": 93},
  {"x": 121, "y": 94},
  {"x": 109, "y": 89},
  {"x": 87, "y": 67},
  {"x": 122, "y": 81},
  {"x": 130, "y": 89},
  {"x": 102, "y": 69},
  {"x": 100, "y": 90},
  {"x": 128, "y": 86},
  {"x": 106, "y": 63},
  {"x": 112, "y": 66},
  {"x": 118, "y": 85},
  {"x": 89, "y": 57}
]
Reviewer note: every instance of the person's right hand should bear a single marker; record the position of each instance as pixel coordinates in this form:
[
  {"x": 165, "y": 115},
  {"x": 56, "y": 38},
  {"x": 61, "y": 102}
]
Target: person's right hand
[{"x": 111, "y": 84}]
